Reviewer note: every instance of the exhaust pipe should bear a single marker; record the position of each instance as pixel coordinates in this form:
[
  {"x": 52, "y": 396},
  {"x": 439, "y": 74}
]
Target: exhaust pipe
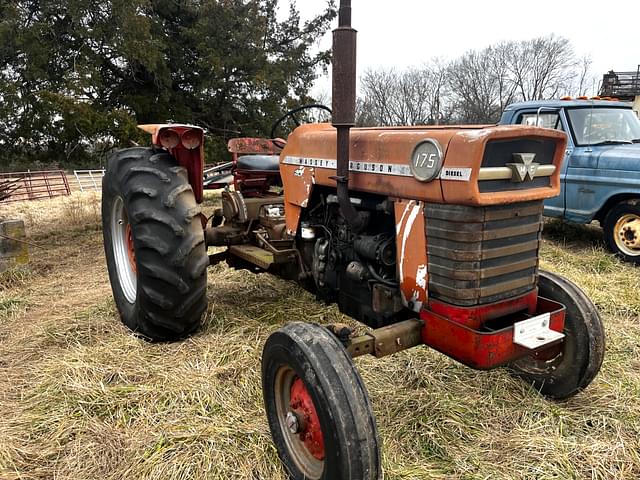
[{"x": 344, "y": 108}]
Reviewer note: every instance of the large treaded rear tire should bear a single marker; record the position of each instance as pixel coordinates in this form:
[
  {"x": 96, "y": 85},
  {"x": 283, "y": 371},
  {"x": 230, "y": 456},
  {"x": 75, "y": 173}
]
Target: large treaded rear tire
[{"x": 160, "y": 291}]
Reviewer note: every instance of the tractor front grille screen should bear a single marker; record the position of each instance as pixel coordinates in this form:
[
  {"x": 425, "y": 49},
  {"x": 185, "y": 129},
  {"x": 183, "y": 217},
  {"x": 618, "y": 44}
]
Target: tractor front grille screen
[
  {"x": 499, "y": 153},
  {"x": 479, "y": 255}
]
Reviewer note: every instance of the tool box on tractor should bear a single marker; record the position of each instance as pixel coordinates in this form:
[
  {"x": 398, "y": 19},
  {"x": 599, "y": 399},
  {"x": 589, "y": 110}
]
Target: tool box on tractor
[{"x": 427, "y": 235}]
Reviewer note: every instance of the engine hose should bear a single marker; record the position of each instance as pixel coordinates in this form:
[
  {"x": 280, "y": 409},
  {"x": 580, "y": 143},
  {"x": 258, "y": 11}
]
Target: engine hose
[{"x": 378, "y": 278}]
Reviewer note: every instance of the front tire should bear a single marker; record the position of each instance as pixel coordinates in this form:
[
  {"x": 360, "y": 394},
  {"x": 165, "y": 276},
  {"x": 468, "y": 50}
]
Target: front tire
[
  {"x": 561, "y": 373},
  {"x": 154, "y": 244},
  {"x": 317, "y": 406},
  {"x": 621, "y": 229}
]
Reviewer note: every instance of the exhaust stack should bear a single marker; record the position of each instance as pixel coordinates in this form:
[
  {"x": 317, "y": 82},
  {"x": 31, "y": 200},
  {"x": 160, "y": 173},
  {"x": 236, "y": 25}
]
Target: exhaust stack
[{"x": 344, "y": 108}]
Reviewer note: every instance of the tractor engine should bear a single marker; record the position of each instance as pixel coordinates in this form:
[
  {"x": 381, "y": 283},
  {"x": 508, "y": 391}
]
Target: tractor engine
[{"x": 356, "y": 270}]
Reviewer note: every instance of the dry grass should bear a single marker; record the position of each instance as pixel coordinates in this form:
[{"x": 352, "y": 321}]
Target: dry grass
[{"x": 81, "y": 398}]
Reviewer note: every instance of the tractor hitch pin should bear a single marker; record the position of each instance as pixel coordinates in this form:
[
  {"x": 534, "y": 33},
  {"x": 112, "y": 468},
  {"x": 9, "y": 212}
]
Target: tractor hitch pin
[{"x": 387, "y": 340}]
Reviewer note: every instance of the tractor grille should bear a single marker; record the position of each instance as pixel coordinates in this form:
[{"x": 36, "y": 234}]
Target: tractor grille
[
  {"x": 479, "y": 255},
  {"x": 498, "y": 153}
]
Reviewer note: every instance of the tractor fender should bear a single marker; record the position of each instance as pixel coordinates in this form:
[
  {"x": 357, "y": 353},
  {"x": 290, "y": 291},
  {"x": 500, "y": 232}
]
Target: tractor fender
[{"x": 186, "y": 144}]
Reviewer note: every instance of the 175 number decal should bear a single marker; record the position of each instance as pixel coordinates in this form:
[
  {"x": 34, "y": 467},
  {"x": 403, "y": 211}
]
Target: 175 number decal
[{"x": 426, "y": 160}]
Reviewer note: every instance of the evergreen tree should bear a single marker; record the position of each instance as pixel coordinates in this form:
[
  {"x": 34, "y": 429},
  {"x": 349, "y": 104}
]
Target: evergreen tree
[{"x": 76, "y": 76}]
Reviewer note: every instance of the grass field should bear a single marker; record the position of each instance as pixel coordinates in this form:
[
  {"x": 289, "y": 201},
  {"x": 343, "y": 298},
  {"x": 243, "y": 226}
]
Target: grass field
[{"x": 82, "y": 398}]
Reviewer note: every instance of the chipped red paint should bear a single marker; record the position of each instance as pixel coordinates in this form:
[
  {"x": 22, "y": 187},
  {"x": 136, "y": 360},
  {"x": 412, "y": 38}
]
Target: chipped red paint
[
  {"x": 474, "y": 317},
  {"x": 253, "y": 183},
  {"x": 302, "y": 405},
  {"x": 411, "y": 253},
  {"x": 486, "y": 348},
  {"x": 462, "y": 146},
  {"x": 256, "y": 146},
  {"x": 190, "y": 158}
]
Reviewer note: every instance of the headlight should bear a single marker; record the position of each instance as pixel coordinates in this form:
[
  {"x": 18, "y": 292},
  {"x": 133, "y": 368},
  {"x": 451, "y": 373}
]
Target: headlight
[
  {"x": 191, "y": 139},
  {"x": 169, "y": 138}
]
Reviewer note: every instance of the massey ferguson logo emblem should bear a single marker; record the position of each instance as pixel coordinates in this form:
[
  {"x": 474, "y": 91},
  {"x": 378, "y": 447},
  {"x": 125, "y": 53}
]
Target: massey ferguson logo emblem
[{"x": 523, "y": 167}]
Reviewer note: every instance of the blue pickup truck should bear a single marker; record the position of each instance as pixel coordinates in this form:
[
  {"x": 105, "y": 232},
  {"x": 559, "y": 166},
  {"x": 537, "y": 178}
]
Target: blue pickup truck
[{"x": 600, "y": 176}]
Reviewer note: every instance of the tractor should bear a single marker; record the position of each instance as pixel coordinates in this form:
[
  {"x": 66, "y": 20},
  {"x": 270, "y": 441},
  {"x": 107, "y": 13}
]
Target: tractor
[{"x": 426, "y": 235}]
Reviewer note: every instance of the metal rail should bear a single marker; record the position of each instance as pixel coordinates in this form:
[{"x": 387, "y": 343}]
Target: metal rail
[
  {"x": 35, "y": 185},
  {"x": 623, "y": 85},
  {"x": 89, "y": 179}
]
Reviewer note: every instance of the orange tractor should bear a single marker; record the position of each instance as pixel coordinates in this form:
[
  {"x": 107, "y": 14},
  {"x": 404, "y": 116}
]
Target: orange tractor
[{"x": 428, "y": 235}]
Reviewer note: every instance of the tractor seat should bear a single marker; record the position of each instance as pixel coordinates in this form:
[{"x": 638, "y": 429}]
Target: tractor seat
[{"x": 259, "y": 162}]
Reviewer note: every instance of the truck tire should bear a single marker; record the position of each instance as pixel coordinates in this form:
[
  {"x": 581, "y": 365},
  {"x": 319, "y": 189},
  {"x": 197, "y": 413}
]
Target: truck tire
[
  {"x": 317, "y": 406},
  {"x": 622, "y": 230},
  {"x": 567, "y": 370},
  {"x": 154, "y": 244}
]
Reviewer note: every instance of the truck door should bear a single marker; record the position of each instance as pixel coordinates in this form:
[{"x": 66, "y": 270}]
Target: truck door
[
  {"x": 551, "y": 118},
  {"x": 581, "y": 181}
]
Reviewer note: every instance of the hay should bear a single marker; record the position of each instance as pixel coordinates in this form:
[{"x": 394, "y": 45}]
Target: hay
[{"x": 82, "y": 398}]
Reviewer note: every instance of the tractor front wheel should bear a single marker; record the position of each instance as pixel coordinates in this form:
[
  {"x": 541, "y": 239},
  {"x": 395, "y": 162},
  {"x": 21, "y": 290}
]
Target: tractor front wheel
[
  {"x": 560, "y": 372},
  {"x": 317, "y": 406},
  {"x": 154, "y": 244}
]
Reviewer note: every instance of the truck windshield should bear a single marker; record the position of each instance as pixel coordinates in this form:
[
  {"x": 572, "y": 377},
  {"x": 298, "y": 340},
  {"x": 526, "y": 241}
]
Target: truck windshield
[{"x": 604, "y": 126}]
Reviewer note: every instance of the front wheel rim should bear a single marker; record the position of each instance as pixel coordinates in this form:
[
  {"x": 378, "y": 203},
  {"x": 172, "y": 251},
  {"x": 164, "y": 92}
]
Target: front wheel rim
[
  {"x": 287, "y": 390},
  {"x": 122, "y": 244},
  {"x": 626, "y": 234}
]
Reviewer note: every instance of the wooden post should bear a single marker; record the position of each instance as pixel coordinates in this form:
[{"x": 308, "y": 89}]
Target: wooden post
[{"x": 13, "y": 251}]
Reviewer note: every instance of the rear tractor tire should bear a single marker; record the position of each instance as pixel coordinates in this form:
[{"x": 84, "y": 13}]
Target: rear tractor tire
[
  {"x": 561, "y": 372},
  {"x": 317, "y": 406},
  {"x": 154, "y": 244},
  {"x": 621, "y": 229}
]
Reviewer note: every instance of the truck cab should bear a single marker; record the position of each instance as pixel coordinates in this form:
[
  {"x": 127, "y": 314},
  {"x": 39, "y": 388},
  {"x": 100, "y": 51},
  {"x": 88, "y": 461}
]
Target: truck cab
[{"x": 600, "y": 177}]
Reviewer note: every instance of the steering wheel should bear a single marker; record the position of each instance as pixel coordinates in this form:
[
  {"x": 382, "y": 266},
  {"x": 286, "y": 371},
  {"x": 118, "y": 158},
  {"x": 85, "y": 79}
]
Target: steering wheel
[{"x": 292, "y": 114}]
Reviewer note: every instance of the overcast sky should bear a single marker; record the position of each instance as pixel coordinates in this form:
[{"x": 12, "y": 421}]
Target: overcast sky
[{"x": 402, "y": 33}]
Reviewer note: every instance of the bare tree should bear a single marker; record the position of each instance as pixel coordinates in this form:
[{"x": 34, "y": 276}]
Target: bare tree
[
  {"x": 410, "y": 97},
  {"x": 477, "y": 84},
  {"x": 543, "y": 67},
  {"x": 476, "y": 87},
  {"x": 585, "y": 79}
]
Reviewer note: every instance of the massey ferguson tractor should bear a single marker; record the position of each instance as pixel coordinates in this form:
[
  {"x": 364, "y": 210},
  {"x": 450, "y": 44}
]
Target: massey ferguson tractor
[{"x": 427, "y": 235}]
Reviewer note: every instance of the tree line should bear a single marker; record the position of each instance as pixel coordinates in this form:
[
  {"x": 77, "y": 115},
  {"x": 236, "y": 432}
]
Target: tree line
[
  {"x": 476, "y": 87},
  {"x": 76, "y": 76}
]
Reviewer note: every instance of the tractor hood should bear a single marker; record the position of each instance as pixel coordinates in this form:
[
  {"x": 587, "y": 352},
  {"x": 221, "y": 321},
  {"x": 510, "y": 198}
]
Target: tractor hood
[{"x": 474, "y": 165}]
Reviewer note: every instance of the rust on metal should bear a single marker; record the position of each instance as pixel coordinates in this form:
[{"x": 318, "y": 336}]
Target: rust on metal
[
  {"x": 187, "y": 149},
  {"x": 388, "y": 340},
  {"x": 411, "y": 251},
  {"x": 34, "y": 185},
  {"x": 248, "y": 146},
  {"x": 478, "y": 255},
  {"x": 307, "y": 422},
  {"x": 484, "y": 348},
  {"x": 253, "y": 254},
  {"x": 379, "y": 163}
]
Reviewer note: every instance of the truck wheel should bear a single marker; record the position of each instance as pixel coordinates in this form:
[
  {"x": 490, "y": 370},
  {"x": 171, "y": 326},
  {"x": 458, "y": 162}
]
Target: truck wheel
[
  {"x": 317, "y": 406},
  {"x": 622, "y": 230},
  {"x": 154, "y": 244},
  {"x": 563, "y": 371}
]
